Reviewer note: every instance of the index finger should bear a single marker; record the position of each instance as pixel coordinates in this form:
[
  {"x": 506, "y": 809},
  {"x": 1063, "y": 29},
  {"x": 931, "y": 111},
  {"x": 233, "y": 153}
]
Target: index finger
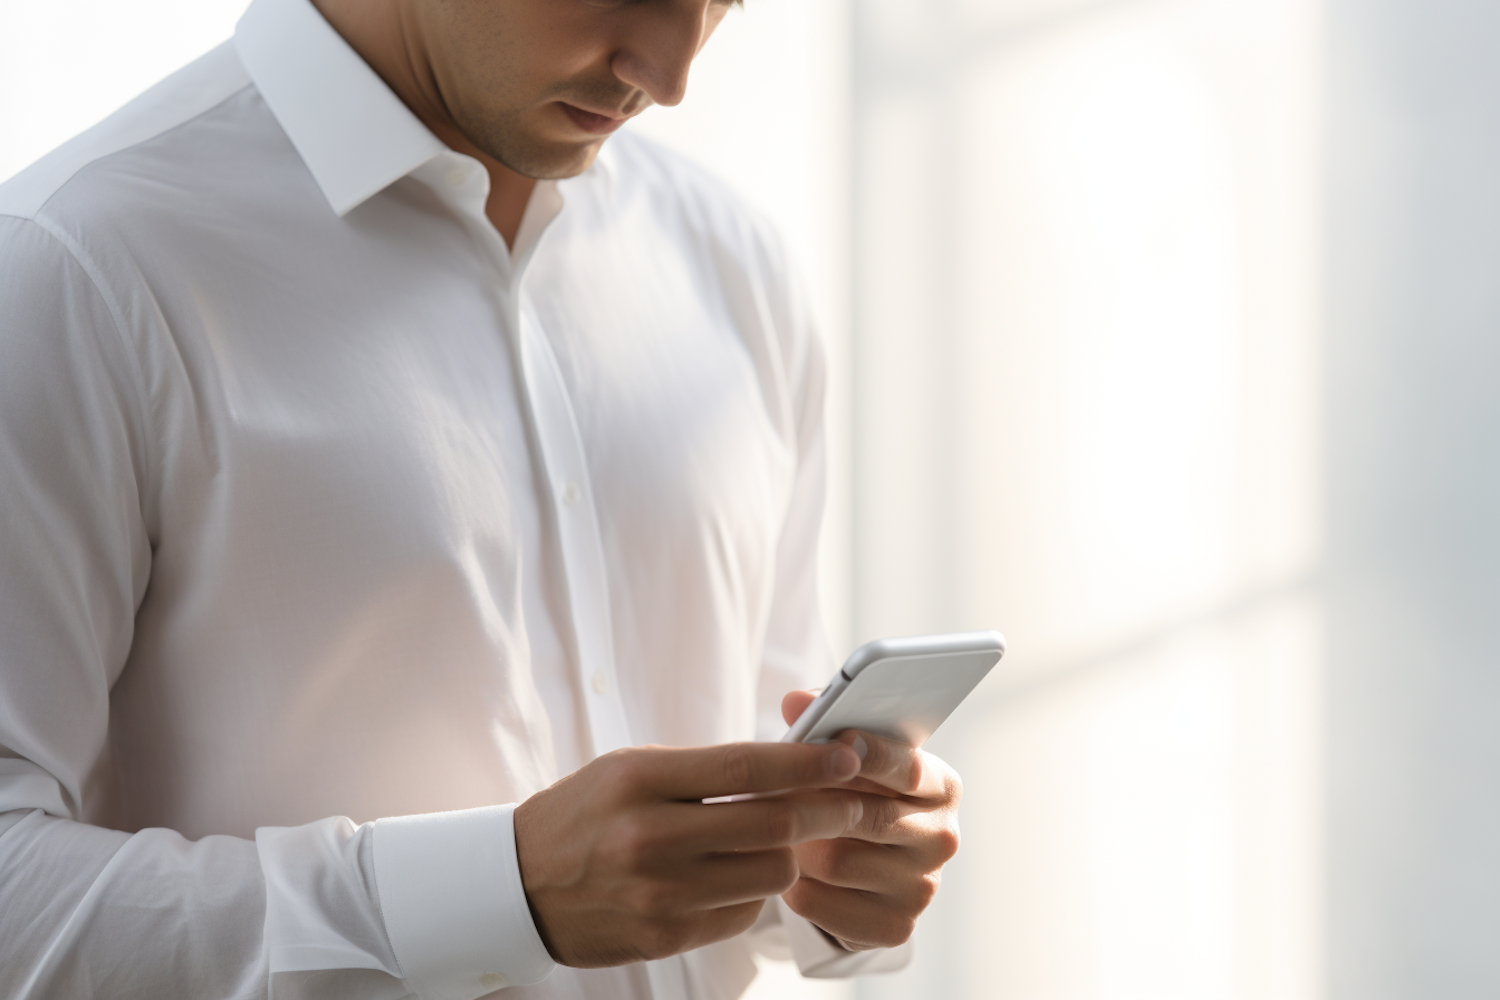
[
  {"x": 697, "y": 773},
  {"x": 897, "y": 766}
]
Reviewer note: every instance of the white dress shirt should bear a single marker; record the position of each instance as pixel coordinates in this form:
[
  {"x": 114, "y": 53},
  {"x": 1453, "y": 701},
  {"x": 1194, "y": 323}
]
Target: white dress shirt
[{"x": 329, "y": 524}]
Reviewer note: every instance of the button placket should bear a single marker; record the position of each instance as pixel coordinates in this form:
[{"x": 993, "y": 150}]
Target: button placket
[{"x": 563, "y": 460}]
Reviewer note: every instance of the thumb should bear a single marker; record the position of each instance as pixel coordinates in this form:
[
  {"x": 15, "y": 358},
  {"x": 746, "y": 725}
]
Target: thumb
[{"x": 794, "y": 703}]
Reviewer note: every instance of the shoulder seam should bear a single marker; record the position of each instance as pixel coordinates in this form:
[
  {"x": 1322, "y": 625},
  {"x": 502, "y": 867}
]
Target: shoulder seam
[
  {"x": 91, "y": 270},
  {"x": 125, "y": 149}
]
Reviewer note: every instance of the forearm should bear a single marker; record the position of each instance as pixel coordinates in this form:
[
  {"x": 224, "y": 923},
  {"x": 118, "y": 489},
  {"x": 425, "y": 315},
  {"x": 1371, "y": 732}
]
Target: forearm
[
  {"x": 86, "y": 911},
  {"x": 295, "y": 913}
]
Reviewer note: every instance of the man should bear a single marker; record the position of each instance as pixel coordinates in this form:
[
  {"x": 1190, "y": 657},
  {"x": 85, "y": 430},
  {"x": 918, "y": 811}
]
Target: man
[{"x": 376, "y": 442}]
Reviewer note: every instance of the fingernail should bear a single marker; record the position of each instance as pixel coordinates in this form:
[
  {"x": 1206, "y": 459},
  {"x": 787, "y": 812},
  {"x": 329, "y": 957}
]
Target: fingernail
[
  {"x": 859, "y": 746},
  {"x": 842, "y": 766}
]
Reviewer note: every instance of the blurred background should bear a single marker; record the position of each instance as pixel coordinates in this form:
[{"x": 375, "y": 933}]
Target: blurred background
[{"x": 1165, "y": 339}]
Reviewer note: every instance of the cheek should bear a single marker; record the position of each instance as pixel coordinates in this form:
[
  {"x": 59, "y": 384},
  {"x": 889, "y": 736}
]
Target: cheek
[
  {"x": 540, "y": 42},
  {"x": 491, "y": 51}
]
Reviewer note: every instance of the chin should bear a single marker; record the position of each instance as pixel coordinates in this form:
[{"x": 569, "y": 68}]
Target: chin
[
  {"x": 573, "y": 162},
  {"x": 545, "y": 159}
]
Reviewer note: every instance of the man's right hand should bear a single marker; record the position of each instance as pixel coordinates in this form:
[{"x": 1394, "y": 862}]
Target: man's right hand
[{"x": 621, "y": 860}]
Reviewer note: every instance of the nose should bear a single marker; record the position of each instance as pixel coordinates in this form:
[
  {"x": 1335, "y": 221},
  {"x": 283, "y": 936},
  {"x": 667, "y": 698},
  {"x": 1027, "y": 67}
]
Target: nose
[{"x": 659, "y": 51}]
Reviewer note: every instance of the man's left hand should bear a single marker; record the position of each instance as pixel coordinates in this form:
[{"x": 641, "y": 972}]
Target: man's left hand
[{"x": 866, "y": 889}]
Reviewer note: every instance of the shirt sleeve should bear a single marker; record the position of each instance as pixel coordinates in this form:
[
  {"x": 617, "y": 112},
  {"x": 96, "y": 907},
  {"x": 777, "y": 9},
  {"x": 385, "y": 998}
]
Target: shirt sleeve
[
  {"x": 796, "y": 654},
  {"x": 429, "y": 906}
]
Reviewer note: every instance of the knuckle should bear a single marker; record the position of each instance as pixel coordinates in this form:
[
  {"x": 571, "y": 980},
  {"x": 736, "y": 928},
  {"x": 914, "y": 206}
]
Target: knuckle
[
  {"x": 784, "y": 870},
  {"x": 798, "y": 895},
  {"x": 622, "y": 768},
  {"x": 663, "y": 938},
  {"x": 902, "y": 930},
  {"x": 882, "y": 815},
  {"x": 927, "y": 888},
  {"x": 738, "y": 766},
  {"x": 781, "y": 822},
  {"x": 953, "y": 786},
  {"x": 837, "y": 862},
  {"x": 635, "y": 838},
  {"x": 893, "y": 929},
  {"x": 652, "y": 900},
  {"x": 948, "y": 841},
  {"x": 915, "y": 774},
  {"x": 743, "y": 918}
]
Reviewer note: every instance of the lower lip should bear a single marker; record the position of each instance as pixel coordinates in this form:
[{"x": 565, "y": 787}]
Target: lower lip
[{"x": 590, "y": 122}]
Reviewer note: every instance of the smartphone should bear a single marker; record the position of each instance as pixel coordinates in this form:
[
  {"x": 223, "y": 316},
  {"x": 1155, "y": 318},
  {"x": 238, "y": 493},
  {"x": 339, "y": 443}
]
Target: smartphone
[{"x": 902, "y": 689}]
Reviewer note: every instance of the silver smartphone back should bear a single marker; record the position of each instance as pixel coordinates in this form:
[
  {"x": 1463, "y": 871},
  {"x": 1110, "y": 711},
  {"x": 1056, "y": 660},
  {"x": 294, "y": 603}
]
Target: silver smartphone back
[{"x": 902, "y": 688}]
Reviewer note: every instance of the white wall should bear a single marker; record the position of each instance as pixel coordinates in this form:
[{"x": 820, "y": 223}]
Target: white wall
[
  {"x": 1413, "y": 499},
  {"x": 1086, "y": 413},
  {"x": 65, "y": 64}
]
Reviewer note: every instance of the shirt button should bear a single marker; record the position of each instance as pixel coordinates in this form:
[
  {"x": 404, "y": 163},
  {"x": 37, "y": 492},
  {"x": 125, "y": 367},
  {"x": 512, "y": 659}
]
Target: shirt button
[
  {"x": 457, "y": 176},
  {"x": 599, "y": 684},
  {"x": 571, "y": 493}
]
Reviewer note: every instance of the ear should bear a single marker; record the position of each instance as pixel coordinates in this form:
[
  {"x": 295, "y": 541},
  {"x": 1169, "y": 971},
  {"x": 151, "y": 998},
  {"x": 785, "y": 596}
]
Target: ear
[{"x": 794, "y": 703}]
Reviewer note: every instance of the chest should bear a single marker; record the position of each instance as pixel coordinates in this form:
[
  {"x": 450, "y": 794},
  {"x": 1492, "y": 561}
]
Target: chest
[{"x": 375, "y": 409}]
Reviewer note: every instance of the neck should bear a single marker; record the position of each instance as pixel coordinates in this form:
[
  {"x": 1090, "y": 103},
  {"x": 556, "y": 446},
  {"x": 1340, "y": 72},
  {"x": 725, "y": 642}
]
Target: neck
[{"x": 387, "y": 37}]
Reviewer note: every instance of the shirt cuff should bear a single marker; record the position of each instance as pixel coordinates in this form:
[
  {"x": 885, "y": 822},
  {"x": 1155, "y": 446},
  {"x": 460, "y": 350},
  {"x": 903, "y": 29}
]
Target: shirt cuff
[
  {"x": 819, "y": 958},
  {"x": 454, "y": 908}
]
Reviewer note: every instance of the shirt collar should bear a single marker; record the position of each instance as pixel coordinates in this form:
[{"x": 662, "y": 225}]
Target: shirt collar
[{"x": 352, "y": 131}]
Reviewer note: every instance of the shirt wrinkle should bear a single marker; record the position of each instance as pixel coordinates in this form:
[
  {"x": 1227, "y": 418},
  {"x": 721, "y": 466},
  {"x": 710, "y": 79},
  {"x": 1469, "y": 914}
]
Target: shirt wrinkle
[
  {"x": 91, "y": 270},
  {"x": 406, "y": 544}
]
